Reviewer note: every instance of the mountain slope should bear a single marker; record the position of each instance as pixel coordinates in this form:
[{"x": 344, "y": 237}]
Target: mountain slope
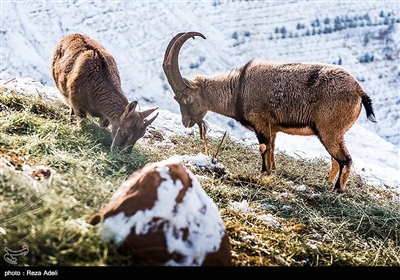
[{"x": 54, "y": 176}]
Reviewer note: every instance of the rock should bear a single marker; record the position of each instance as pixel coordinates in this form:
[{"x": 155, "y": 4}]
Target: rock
[{"x": 162, "y": 216}]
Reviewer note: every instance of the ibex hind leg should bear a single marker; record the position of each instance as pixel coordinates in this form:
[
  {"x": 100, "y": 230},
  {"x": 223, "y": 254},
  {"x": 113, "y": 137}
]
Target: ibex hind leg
[
  {"x": 344, "y": 173},
  {"x": 334, "y": 170},
  {"x": 341, "y": 162}
]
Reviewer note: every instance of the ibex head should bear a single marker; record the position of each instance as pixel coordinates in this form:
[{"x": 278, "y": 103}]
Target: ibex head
[
  {"x": 186, "y": 92},
  {"x": 131, "y": 127}
]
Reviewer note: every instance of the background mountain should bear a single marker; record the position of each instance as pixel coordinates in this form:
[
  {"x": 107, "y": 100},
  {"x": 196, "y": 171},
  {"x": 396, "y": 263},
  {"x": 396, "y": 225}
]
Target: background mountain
[{"x": 362, "y": 36}]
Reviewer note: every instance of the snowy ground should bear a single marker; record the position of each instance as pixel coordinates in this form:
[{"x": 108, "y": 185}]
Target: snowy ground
[{"x": 375, "y": 159}]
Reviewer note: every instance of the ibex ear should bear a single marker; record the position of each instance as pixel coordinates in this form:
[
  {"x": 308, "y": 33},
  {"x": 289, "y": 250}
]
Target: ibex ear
[
  {"x": 190, "y": 83},
  {"x": 131, "y": 107}
]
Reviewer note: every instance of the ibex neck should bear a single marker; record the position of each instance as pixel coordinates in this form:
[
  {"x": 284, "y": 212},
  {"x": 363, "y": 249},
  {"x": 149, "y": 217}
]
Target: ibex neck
[
  {"x": 114, "y": 106},
  {"x": 221, "y": 94}
]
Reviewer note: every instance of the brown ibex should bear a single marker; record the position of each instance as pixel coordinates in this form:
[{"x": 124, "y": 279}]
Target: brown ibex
[
  {"x": 269, "y": 97},
  {"x": 88, "y": 79}
]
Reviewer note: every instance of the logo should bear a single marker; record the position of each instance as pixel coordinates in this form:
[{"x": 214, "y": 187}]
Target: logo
[{"x": 10, "y": 255}]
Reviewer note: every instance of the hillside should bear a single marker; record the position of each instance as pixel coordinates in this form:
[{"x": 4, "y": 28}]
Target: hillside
[
  {"x": 54, "y": 176},
  {"x": 362, "y": 36}
]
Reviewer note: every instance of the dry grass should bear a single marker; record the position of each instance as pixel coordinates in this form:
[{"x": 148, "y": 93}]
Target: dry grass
[{"x": 54, "y": 176}]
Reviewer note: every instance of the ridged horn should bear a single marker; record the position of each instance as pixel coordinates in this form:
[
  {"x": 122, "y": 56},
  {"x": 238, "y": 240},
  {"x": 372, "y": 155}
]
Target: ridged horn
[
  {"x": 171, "y": 65},
  {"x": 146, "y": 122}
]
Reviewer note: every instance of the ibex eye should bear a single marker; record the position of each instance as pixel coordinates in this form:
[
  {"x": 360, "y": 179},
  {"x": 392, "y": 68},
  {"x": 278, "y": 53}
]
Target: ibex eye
[{"x": 188, "y": 99}]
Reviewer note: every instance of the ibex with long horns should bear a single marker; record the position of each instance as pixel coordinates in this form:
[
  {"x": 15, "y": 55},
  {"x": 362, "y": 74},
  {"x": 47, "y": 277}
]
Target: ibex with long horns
[{"x": 269, "y": 97}]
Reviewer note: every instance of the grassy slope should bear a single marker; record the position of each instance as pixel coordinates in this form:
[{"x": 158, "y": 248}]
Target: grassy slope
[{"x": 54, "y": 176}]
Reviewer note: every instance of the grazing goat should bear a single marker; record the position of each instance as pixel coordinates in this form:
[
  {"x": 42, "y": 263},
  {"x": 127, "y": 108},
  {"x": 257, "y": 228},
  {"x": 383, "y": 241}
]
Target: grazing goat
[
  {"x": 88, "y": 79},
  {"x": 269, "y": 97}
]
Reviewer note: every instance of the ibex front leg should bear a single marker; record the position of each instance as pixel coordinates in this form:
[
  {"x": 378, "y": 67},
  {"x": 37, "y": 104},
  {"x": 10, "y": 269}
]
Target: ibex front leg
[{"x": 267, "y": 146}]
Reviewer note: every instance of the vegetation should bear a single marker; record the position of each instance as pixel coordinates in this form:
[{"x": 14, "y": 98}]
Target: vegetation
[
  {"x": 339, "y": 23},
  {"x": 55, "y": 175}
]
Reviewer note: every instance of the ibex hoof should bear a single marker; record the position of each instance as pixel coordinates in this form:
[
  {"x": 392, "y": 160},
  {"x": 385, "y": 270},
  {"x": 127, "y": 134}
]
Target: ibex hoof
[
  {"x": 266, "y": 177},
  {"x": 265, "y": 173},
  {"x": 338, "y": 190}
]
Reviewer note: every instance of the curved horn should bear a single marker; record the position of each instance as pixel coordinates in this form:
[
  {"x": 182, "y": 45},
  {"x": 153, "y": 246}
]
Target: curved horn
[
  {"x": 171, "y": 65},
  {"x": 148, "y": 122},
  {"x": 147, "y": 112},
  {"x": 168, "y": 49}
]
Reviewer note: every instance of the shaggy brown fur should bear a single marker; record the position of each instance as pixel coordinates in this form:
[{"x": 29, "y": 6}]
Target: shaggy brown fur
[
  {"x": 269, "y": 97},
  {"x": 88, "y": 79}
]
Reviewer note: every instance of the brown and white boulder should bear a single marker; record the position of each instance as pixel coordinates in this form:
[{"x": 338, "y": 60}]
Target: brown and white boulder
[{"x": 162, "y": 216}]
